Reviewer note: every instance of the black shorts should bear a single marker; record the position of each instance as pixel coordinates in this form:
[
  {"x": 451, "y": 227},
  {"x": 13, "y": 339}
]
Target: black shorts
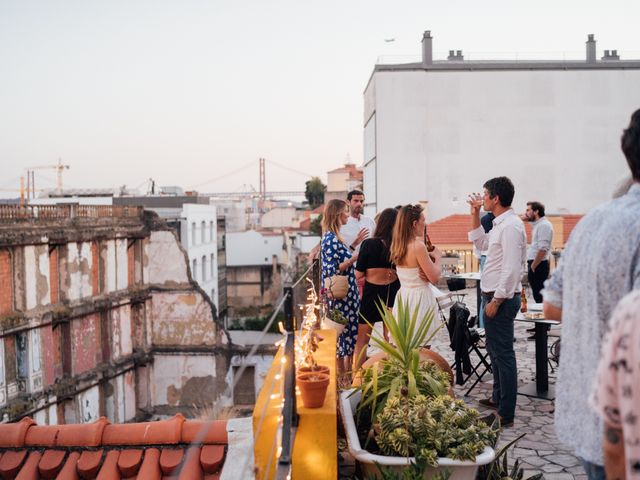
[{"x": 371, "y": 296}]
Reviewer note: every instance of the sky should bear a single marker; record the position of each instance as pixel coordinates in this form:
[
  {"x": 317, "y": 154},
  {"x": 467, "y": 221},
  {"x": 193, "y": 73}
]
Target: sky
[{"x": 193, "y": 92}]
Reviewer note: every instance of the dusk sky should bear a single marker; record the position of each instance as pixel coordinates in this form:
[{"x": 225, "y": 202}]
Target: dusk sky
[{"x": 187, "y": 91}]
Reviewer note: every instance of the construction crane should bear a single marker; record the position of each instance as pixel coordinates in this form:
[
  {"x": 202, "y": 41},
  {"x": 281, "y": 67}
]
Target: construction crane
[{"x": 59, "y": 167}]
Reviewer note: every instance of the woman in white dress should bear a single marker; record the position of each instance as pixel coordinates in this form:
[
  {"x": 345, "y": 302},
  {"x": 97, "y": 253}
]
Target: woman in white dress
[{"x": 416, "y": 267}]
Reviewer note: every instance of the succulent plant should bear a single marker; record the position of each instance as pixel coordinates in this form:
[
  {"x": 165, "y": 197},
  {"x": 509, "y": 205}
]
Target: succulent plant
[{"x": 432, "y": 427}]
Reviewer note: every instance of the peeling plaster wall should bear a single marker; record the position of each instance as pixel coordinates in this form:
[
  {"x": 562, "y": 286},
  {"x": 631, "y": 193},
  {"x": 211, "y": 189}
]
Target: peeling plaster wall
[
  {"x": 36, "y": 265},
  {"x": 78, "y": 266},
  {"x": 122, "y": 267},
  {"x": 182, "y": 319},
  {"x": 129, "y": 396},
  {"x": 85, "y": 343},
  {"x": 108, "y": 266},
  {"x": 89, "y": 405},
  {"x": 121, "y": 342},
  {"x": 167, "y": 264},
  {"x": 180, "y": 380}
]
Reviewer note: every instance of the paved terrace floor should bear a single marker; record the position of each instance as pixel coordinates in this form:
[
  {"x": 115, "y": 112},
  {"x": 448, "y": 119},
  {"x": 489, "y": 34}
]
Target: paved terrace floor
[{"x": 539, "y": 451}]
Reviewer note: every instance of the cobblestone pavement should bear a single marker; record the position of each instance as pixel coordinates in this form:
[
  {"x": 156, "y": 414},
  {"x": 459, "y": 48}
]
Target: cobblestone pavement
[{"x": 539, "y": 450}]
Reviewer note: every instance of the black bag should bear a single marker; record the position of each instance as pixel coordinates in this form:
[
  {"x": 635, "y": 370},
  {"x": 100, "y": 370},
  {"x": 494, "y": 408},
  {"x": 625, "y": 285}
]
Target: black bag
[{"x": 456, "y": 284}]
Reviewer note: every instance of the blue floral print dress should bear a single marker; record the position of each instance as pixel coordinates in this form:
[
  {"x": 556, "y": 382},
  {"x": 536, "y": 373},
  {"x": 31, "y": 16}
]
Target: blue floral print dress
[{"x": 334, "y": 252}]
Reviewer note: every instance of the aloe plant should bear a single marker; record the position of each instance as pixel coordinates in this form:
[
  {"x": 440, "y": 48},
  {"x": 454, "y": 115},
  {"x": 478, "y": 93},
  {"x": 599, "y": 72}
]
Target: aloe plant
[{"x": 402, "y": 369}]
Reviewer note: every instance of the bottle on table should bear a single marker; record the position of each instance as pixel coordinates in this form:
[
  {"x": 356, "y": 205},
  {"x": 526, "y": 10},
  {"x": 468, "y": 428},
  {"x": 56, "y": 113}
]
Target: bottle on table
[{"x": 523, "y": 301}]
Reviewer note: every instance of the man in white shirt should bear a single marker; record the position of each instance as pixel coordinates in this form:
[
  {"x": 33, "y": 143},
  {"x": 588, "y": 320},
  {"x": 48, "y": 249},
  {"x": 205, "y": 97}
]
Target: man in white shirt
[
  {"x": 500, "y": 283},
  {"x": 358, "y": 227},
  {"x": 539, "y": 252}
]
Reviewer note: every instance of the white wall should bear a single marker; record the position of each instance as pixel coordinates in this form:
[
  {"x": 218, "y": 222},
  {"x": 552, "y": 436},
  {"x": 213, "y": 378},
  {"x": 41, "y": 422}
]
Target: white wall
[
  {"x": 197, "y": 248},
  {"x": 440, "y": 134},
  {"x": 252, "y": 248}
]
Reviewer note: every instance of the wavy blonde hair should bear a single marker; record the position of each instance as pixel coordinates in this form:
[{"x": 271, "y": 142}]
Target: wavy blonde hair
[
  {"x": 331, "y": 217},
  {"x": 403, "y": 233}
]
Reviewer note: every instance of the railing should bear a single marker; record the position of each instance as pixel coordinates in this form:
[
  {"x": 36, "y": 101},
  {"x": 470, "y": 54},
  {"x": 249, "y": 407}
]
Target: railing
[{"x": 9, "y": 213}]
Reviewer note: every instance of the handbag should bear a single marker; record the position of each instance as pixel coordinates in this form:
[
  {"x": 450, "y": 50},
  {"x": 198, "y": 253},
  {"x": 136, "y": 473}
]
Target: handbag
[{"x": 338, "y": 285}]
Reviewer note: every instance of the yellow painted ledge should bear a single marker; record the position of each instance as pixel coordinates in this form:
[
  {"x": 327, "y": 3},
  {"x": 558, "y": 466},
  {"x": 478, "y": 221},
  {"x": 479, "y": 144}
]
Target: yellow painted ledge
[{"x": 315, "y": 448}]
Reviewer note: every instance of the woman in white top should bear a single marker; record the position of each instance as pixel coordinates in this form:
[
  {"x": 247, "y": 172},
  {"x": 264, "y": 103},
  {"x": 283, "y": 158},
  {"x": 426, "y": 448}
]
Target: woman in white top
[{"x": 416, "y": 267}]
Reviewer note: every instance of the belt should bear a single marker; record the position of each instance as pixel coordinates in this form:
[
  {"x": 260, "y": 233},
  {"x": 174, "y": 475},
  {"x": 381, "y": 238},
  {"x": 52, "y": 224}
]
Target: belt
[
  {"x": 531, "y": 261},
  {"x": 491, "y": 294}
]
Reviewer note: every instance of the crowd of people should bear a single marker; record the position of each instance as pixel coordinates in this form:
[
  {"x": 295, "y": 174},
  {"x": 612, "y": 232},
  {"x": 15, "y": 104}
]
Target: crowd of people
[{"x": 598, "y": 386}]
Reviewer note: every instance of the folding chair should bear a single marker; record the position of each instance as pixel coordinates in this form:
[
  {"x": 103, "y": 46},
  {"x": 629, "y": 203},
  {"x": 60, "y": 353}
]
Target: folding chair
[{"x": 464, "y": 341}]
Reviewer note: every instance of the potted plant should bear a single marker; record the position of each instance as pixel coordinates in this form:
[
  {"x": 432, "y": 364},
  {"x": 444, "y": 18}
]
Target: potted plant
[
  {"x": 313, "y": 388},
  {"x": 335, "y": 320},
  {"x": 401, "y": 413}
]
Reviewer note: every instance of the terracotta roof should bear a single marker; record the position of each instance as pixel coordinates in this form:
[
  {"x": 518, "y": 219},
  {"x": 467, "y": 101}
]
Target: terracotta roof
[
  {"x": 318, "y": 209},
  {"x": 305, "y": 224},
  {"x": 167, "y": 449},
  {"x": 450, "y": 230},
  {"x": 569, "y": 223}
]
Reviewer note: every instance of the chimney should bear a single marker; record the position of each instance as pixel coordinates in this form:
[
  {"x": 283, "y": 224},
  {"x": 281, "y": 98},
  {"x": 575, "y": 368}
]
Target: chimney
[
  {"x": 613, "y": 55},
  {"x": 455, "y": 55},
  {"x": 591, "y": 49},
  {"x": 459, "y": 55},
  {"x": 452, "y": 55},
  {"x": 427, "y": 48}
]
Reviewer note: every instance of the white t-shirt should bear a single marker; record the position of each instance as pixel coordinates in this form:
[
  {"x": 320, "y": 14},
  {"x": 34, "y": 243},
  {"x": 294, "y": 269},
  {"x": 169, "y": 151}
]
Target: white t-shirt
[{"x": 349, "y": 230}]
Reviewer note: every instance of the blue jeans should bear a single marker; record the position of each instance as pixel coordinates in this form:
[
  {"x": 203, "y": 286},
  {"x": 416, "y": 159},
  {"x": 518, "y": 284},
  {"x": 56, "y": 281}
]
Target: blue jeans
[
  {"x": 594, "y": 471},
  {"x": 483, "y": 260},
  {"x": 499, "y": 335}
]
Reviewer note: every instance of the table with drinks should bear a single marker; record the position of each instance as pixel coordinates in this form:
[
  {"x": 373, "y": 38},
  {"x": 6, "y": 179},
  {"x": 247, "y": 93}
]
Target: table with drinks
[{"x": 540, "y": 388}]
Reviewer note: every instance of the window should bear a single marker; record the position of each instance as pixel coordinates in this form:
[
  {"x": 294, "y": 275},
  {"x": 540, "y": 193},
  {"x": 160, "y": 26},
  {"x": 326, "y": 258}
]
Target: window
[
  {"x": 193, "y": 233},
  {"x": 212, "y": 232},
  {"x": 204, "y": 268},
  {"x": 194, "y": 268},
  {"x": 212, "y": 265},
  {"x": 203, "y": 231}
]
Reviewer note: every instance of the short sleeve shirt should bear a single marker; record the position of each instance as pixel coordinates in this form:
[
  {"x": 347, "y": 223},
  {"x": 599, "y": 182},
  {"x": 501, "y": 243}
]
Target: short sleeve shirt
[{"x": 616, "y": 394}]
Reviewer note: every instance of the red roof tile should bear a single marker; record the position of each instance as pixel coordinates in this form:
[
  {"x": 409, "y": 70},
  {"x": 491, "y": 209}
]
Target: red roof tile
[
  {"x": 192, "y": 450},
  {"x": 569, "y": 221},
  {"x": 450, "y": 230}
]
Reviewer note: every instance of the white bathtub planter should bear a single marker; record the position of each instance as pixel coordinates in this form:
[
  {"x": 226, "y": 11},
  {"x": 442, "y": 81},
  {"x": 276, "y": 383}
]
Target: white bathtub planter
[{"x": 459, "y": 469}]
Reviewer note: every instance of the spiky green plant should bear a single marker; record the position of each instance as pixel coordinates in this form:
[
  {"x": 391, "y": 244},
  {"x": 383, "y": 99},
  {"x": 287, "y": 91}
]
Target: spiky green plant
[
  {"x": 432, "y": 427},
  {"x": 499, "y": 468},
  {"x": 401, "y": 369}
]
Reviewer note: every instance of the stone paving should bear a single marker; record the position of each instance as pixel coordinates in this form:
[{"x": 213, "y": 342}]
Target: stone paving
[{"x": 539, "y": 450}]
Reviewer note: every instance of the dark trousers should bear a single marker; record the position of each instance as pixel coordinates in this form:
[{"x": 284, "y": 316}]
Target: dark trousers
[
  {"x": 499, "y": 335},
  {"x": 537, "y": 278}
]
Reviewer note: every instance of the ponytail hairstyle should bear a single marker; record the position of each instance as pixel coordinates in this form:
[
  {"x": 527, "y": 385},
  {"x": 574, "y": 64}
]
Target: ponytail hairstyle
[
  {"x": 403, "y": 233},
  {"x": 331, "y": 217}
]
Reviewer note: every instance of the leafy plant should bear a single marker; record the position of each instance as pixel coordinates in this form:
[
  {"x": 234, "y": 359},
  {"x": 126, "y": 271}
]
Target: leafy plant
[
  {"x": 402, "y": 368},
  {"x": 428, "y": 428},
  {"x": 337, "y": 316},
  {"x": 499, "y": 468}
]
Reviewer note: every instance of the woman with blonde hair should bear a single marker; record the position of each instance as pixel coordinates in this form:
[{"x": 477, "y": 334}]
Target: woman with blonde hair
[
  {"x": 416, "y": 268},
  {"x": 336, "y": 259}
]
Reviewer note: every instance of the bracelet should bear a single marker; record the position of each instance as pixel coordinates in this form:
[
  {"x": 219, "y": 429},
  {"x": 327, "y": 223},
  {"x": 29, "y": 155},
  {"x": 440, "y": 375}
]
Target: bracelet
[{"x": 352, "y": 248}]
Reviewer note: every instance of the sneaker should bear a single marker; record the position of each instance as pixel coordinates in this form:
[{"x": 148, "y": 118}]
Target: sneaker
[
  {"x": 490, "y": 419},
  {"x": 487, "y": 402}
]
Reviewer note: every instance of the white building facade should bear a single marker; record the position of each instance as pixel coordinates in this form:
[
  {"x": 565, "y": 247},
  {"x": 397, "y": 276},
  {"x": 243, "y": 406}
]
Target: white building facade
[
  {"x": 199, "y": 238},
  {"x": 437, "y": 130}
]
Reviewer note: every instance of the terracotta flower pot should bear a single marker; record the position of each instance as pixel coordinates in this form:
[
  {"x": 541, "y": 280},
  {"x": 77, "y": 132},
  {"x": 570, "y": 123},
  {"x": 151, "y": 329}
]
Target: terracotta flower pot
[
  {"x": 317, "y": 369},
  {"x": 313, "y": 387}
]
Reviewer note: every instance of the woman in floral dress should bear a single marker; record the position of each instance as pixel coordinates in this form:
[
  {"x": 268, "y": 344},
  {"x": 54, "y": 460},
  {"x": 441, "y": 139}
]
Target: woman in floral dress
[{"x": 337, "y": 259}]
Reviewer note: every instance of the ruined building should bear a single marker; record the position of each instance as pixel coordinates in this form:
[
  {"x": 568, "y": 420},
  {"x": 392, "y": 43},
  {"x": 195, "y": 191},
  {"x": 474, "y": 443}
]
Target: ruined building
[{"x": 99, "y": 316}]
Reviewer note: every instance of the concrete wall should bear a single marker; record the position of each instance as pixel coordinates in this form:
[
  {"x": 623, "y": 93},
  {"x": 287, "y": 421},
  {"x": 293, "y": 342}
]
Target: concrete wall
[
  {"x": 165, "y": 260},
  {"x": 180, "y": 380},
  {"x": 440, "y": 134}
]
